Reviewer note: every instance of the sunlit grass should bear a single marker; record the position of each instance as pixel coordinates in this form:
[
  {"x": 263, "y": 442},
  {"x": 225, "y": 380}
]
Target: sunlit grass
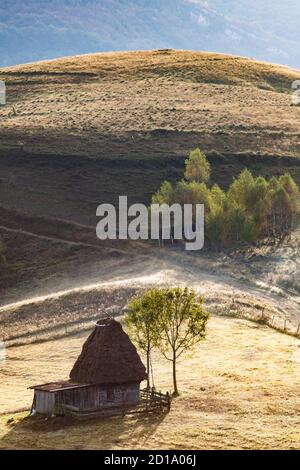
[{"x": 239, "y": 390}]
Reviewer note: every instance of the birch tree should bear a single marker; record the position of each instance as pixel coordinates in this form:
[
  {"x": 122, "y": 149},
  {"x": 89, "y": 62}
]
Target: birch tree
[{"x": 182, "y": 325}]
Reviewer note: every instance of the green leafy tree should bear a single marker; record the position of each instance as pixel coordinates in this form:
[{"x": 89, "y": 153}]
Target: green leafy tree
[
  {"x": 291, "y": 188},
  {"x": 215, "y": 223},
  {"x": 273, "y": 184},
  {"x": 251, "y": 209},
  {"x": 165, "y": 195},
  {"x": 192, "y": 193},
  {"x": 182, "y": 325},
  {"x": 241, "y": 189},
  {"x": 239, "y": 225},
  {"x": 218, "y": 196},
  {"x": 142, "y": 322},
  {"x": 282, "y": 213},
  {"x": 197, "y": 168},
  {"x": 289, "y": 184},
  {"x": 215, "y": 218},
  {"x": 258, "y": 192},
  {"x": 277, "y": 210}
]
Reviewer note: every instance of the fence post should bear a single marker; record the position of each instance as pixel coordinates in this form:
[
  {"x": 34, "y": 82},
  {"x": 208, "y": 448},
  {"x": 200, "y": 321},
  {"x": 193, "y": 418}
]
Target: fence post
[{"x": 284, "y": 325}]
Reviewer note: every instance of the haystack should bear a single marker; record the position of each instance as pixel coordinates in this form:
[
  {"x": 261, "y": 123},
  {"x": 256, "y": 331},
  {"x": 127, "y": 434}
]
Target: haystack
[{"x": 108, "y": 357}]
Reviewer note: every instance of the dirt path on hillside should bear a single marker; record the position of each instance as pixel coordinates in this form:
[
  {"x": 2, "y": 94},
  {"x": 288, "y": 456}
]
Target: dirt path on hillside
[
  {"x": 189, "y": 272},
  {"x": 83, "y": 303},
  {"x": 59, "y": 240},
  {"x": 169, "y": 269}
]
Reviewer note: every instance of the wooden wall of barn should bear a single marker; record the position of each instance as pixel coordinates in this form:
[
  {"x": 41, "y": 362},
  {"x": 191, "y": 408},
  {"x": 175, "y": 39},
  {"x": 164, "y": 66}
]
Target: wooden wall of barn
[
  {"x": 97, "y": 397},
  {"x": 44, "y": 402}
]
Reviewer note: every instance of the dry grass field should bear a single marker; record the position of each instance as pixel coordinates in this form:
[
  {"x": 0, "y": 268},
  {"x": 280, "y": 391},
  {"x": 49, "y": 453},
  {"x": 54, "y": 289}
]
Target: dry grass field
[{"x": 238, "y": 390}]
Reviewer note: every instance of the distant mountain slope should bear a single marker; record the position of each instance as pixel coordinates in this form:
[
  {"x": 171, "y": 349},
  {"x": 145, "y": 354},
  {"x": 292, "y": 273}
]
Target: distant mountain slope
[
  {"x": 270, "y": 17},
  {"x": 272, "y": 23},
  {"x": 34, "y": 29}
]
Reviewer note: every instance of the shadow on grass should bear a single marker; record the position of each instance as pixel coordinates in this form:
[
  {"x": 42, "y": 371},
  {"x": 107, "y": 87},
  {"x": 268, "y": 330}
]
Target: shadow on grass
[{"x": 40, "y": 432}]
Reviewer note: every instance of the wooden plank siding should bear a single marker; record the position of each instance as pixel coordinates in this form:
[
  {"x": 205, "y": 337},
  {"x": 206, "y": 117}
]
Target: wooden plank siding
[
  {"x": 44, "y": 402},
  {"x": 93, "y": 397}
]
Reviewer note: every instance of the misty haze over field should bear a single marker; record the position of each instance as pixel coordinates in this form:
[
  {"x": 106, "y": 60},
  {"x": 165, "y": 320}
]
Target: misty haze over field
[{"x": 34, "y": 30}]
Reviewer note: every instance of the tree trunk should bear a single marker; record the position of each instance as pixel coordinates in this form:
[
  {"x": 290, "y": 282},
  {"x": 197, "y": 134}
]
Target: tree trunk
[
  {"x": 148, "y": 369},
  {"x": 175, "y": 393}
]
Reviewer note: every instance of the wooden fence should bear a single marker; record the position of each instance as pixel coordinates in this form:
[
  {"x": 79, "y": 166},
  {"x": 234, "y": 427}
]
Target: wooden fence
[
  {"x": 259, "y": 314},
  {"x": 151, "y": 401}
]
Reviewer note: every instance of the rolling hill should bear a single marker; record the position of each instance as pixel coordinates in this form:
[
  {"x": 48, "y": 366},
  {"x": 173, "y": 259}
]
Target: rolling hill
[{"x": 85, "y": 129}]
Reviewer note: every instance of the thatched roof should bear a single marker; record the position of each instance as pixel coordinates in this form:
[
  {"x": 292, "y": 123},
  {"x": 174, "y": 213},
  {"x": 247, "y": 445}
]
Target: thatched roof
[{"x": 108, "y": 357}]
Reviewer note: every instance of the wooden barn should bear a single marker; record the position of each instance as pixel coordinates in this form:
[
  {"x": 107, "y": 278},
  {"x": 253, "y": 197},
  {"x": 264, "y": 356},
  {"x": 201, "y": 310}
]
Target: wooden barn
[{"x": 107, "y": 374}]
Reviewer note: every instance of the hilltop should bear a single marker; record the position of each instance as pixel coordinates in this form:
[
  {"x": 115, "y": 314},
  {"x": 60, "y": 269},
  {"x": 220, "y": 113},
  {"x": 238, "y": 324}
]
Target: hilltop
[{"x": 156, "y": 101}]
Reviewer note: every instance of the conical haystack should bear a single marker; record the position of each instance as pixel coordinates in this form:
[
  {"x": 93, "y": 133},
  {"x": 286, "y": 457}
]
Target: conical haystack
[{"x": 108, "y": 357}]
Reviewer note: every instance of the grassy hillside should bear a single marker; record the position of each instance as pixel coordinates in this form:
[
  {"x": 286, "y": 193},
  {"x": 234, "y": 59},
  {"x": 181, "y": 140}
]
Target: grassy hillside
[
  {"x": 115, "y": 104},
  {"x": 135, "y": 116}
]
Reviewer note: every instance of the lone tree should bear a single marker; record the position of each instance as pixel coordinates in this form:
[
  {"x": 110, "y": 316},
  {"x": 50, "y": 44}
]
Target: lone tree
[
  {"x": 182, "y": 324},
  {"x": 197, "y": 168},
  {"x": 142, "y": 322}
]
